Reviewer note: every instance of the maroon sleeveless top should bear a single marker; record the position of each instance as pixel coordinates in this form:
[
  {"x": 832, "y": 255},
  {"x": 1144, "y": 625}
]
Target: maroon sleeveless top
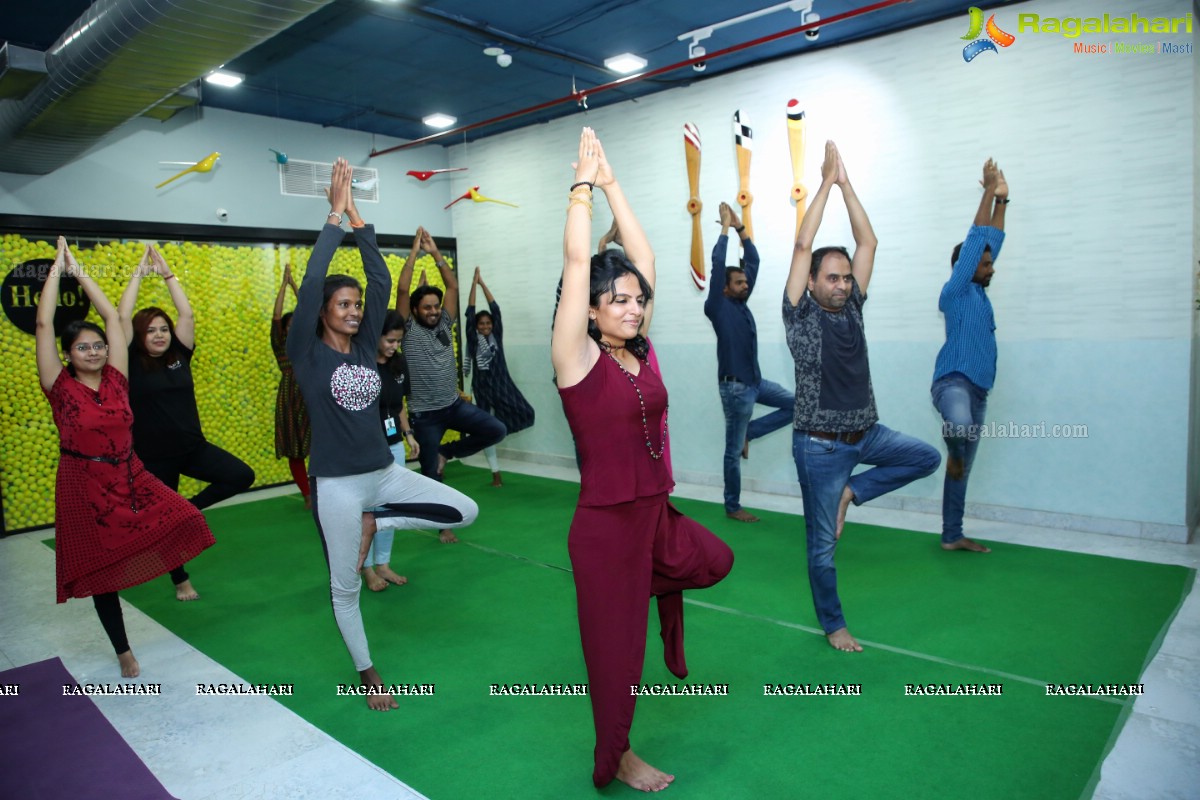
[{"x": 605, "y": 416}]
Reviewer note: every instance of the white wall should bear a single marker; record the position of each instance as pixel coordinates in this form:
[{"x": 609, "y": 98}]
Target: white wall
[
  {"x": 1093, "y": 294},
  {"x": 116, "y": 179}
]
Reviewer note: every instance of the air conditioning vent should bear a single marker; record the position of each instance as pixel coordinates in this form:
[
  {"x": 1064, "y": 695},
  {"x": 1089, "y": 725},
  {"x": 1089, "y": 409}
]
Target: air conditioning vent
[{"x": 299, "y": 178}]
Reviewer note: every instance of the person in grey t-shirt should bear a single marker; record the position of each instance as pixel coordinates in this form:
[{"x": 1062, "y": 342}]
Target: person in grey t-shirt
[
  {"x": 435, "y": 405},
  {"x": 836, "y": 423}
]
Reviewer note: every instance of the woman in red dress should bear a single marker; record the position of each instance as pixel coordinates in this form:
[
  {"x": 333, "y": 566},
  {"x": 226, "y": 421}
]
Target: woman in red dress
[
  {"x": 627, "y": 542},
  {"x": 116, "y": 525}
]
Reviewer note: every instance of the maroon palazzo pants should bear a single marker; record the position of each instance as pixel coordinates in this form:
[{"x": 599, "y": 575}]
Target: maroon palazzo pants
[{"x": 621, "y": 555}]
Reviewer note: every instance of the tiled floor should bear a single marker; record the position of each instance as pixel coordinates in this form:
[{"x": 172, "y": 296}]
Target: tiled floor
[{"x": 255, "y": 748}]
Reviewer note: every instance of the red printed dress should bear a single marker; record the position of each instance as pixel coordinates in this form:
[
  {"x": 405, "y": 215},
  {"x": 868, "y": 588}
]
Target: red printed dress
[{"x": 116, "y": 525}]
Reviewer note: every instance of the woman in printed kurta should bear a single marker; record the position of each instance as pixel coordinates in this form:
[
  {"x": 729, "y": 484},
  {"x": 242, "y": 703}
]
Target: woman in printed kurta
[{"x": 293, "y": 434}]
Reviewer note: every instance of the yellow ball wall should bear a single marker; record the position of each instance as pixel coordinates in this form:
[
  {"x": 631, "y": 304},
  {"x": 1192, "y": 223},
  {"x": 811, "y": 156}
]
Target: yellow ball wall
[{"x": 232, "y": 289}]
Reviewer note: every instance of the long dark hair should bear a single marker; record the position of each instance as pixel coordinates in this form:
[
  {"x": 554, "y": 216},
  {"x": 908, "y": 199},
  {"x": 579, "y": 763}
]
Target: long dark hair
[
  {"x": 607, "y": 268},
  {"x": 394, "y": 321},
  {"x": 71, "y": 333},
  {"x": 141, "y": 324},
  {"x": 332, "y": 284}
]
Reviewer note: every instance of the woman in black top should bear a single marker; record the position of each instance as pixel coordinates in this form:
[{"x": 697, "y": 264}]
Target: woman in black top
[
  {"x": 166, "y": 422},
  {"x": 394, "y": 388}
]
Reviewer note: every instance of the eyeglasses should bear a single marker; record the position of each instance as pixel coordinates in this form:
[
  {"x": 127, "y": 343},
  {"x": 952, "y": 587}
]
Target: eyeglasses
[{"x": 83, "y": 348}]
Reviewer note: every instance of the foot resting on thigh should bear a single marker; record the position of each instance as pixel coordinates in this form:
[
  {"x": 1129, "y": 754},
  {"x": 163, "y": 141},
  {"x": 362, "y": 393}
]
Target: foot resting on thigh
[
  {"x": 376, "y": 702},
  {"x": 441, "y": 464},
  {"x": 185, "y": 592},
  {"x": 496, "y": 479},
  {"x": 843, "y": 504},
  {"x": 374, "y": 582},
  {"x": 842, "y": 640},
  {"x": 746, "y": 448},
  {"x": 385, "y": 571},
  {"x": 446, "y": 536},
  {"x": 368, "y": 536},
  {"x": 967, "y": 544},
  {"x": 954, "y": 468},
  {"x": 637, "y": 774},
  {"x": 129, "y": 665},
  {"x": 742, "y": 515},
  {"x": 308, "y": 502}
]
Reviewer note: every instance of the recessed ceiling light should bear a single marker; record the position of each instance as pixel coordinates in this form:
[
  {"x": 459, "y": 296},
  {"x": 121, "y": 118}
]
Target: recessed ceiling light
[
  {"x": 625, "y": 63},
  {"x": 223, "y": 77},
  {"x": 439, "y": 120}
]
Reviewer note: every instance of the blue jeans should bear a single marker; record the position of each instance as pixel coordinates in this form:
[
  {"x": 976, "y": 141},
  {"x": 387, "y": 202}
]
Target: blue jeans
[
  {"x": 962, "y": 405},
  {"x": 738, "y": 400},
  {"x": 479, "y": 429},
  {"x": 824, "y": 468}
]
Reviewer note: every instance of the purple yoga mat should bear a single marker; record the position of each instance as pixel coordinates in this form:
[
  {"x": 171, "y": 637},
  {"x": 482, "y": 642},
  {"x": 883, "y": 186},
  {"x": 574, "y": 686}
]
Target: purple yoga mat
[{"x": 62, "y": 748}]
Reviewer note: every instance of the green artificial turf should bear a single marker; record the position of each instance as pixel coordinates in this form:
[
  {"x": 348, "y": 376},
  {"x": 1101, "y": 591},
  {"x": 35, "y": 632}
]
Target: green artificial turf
[{"x": 500, "y": 608}]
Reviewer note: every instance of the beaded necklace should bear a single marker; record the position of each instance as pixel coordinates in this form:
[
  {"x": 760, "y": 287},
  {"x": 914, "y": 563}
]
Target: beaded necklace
[{"x": 642, "y": 402}]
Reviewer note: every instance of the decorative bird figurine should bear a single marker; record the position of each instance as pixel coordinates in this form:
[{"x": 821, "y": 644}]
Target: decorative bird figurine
[
  {"x": 280, "y": 158},
  {"x": 426, "y": 174},
  {"x": 478, "y": 198},
  {"x": 203, "y": 165},
  {"x": 473, "y": 194}
]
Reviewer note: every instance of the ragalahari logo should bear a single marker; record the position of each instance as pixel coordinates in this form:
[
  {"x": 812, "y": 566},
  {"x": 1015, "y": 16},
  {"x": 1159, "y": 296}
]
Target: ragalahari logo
[{"x": 995, "y": 36}]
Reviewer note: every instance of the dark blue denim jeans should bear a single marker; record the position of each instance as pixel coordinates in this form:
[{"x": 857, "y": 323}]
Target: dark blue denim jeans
[
  {"x": 824, "y": 468},
  {"x": 738, "y": 400},
  {"x": 962, "y": 405},
  {"x": 479, "y": 429}
]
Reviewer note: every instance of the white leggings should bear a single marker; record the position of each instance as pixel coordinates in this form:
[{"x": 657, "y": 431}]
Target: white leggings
[{"x": 405, "y": 500}]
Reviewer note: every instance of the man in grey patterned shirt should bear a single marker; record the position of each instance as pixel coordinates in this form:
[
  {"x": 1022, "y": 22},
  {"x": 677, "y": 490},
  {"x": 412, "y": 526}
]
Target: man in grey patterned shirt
[{"x": 836, "y": 423}]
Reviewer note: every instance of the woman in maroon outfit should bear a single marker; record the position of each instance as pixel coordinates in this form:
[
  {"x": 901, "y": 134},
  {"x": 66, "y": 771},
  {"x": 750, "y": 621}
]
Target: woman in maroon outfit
[
  {"x": 627, "y": 542},
  {"x": 115, "y": 524}
]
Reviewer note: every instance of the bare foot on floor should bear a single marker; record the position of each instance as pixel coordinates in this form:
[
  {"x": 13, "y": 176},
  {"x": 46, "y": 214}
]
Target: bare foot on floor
[
  {"x": 374, "y": 582},
  {"x": 129, "y": 665},
  {"x": 742, "y": 515},
  {"x": 376, "y": 702},
  {"x": 496, "y": 479},
  {"x": 184, "y": 592},
  {"x": 447, "y": 537},
  {"x": 954, "y": 469},
  {"x": 842, "y": 640},
  {"x": 967, "y": 544},
  {"x": 639, "y": 775},
  {"x": 385, "y": 571},
  {"x": 847, "y": 498}
]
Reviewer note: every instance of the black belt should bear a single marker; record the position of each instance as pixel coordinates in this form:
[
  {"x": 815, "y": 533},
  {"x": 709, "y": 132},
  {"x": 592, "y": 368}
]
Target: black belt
[
  {"x": 127, "y": 460},
  {"x": 849, "y": 437}
]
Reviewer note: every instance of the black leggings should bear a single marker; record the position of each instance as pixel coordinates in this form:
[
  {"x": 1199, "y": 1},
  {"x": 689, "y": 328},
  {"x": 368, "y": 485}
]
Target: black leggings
[
  {"x": 108, "y": 609},
  {"x": 225, "y": 473}
]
